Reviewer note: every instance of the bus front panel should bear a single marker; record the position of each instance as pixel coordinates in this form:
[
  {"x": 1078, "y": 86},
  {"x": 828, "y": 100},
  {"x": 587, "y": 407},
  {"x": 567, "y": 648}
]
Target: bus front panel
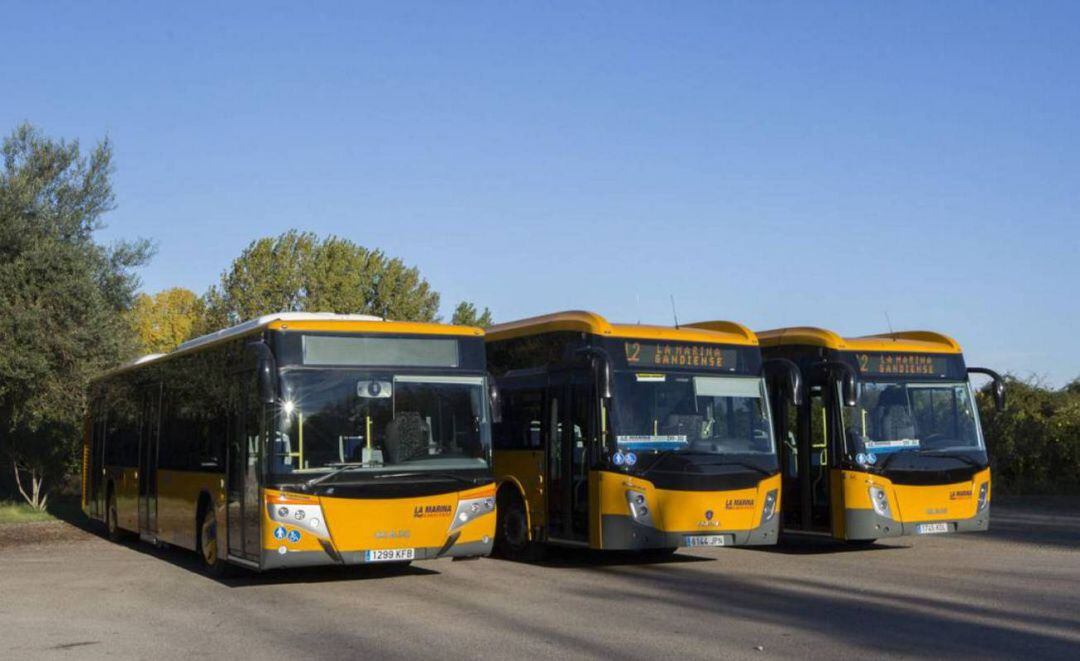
[
  {"x": 304, "y": 530},
  {"x": 634, "y": 514},
  {"x": 872, "y": 506}
]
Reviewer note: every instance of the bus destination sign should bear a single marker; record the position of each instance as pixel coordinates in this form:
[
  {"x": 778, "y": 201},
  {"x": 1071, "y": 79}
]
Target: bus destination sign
[
  {"x": 902, "y": 364},
  {"x": 679, "y": 355}
]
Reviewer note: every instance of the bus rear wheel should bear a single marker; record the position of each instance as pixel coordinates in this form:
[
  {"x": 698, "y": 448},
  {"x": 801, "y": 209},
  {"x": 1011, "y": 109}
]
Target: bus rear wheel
[
  {"x": 207, "y": 545},
  {"x": 112, "y": 519}
]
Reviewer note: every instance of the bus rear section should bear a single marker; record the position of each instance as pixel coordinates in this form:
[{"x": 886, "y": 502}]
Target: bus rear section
[
  {"x": 300, "y": 439},
  {"x": 888, "y": 441},
  {"x": 631, "y": 437}
]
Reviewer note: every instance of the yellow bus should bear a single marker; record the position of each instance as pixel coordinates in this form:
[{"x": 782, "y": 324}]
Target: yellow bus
[
  {"x": 887, "y": 441},
  {"x": 299, "y": 439},
  {"x": 631, "y": 437}
]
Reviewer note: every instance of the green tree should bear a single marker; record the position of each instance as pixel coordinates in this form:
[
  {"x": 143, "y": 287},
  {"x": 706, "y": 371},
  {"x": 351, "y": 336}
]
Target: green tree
[
  {"x": 465, "y": 314},
  {"x": 297, "y": 271},
  {"x": 166, "y": 319},
  {"x": 1034, "y": 444},
  {"x": 63, "y": 301}
]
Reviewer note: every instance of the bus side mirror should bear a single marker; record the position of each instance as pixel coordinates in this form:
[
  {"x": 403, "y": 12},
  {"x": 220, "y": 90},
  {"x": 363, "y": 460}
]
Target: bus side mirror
[
  {"x": 266, "y": 367},
  {"x": 998, "y": 385},
  {"x": 782, "y": 368},
  {"x": 849, "y": 382},
  {"x": 601, "y": 364},
  {"x": 496, "y": 401}
]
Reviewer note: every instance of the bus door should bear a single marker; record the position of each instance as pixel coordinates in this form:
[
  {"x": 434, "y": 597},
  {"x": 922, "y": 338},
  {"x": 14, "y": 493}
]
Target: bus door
[
  {"x": 148, "y": 460},
  {"x": 806, "y": 460},
  {"x": 95, "y": 492},
  {"x": 569, "y": 447},
  {"x": 244, "y": 507}
]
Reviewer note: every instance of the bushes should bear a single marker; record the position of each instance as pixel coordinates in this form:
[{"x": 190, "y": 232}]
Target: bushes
[{"x": 1034, "y": 443}]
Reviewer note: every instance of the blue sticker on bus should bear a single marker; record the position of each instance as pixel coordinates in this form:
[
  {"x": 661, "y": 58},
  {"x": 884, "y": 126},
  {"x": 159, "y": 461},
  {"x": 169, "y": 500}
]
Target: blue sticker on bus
[
  {"x": 618, "y": 459},
  {"x": 631, "y": 458},
  {"x": 279, "y": 532},
  {"x": 294, "y": 536}
]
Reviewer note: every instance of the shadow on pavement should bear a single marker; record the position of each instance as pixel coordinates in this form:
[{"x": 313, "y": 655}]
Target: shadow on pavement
[
  {"x": 563, "y": 557},
  {"x": 879, "y": 619},
  {"x": 239, "y": 577},
  {"x": 1036, "y": 520},
  {"x": 793, "y": 544}
]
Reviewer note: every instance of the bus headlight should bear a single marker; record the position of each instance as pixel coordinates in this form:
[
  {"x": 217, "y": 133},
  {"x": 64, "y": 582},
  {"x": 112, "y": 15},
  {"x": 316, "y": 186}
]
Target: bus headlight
[
  {"x": 880, "y": 501},
  {"x": 984, "y": 495},
  {"x": 639, "y": 508},
  {"x": 299, "y": 511},
  {"x": 769, "y": 509},
  {"x": 471, "y": 508}
]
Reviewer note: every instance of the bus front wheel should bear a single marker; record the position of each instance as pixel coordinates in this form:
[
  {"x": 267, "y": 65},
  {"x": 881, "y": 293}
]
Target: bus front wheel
[{"x": 512, "y": 528}]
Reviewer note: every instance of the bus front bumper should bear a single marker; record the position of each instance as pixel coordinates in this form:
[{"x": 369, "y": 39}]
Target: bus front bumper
[
  {"x": 623, "y": 533},
  {"x": 868, "y": 524},
  {"x": 291, "y": 558}
]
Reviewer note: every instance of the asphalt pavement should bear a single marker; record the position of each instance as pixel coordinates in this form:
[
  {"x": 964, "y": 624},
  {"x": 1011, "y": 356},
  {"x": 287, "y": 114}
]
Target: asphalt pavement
[{"x": 1012, "y": 592}]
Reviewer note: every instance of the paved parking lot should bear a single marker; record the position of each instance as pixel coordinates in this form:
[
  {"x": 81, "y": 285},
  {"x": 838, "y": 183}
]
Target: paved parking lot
[{"x": 1009, "y": 593}]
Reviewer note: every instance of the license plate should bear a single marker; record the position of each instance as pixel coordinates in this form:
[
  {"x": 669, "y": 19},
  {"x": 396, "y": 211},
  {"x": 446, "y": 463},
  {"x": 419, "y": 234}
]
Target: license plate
[
  {"x": 932, "y": 528},
  {"x": 706, "y": 540},
  {"x": 389, "y": 555}
]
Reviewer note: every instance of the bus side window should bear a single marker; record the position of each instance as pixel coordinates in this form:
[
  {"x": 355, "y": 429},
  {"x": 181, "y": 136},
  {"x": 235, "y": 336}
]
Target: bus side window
[{"x": 520, "y": 428}]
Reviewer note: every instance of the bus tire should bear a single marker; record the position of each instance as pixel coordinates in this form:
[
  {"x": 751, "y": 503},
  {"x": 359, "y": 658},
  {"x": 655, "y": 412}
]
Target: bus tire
[
  {"x": 512, "y": 528},
  {"x": 206, "y": 541},
  {"x": 112, "y": 518}
]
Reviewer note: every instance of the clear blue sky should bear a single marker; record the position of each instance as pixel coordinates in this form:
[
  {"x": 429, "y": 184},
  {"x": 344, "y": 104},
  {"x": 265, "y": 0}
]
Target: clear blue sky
[{"x": 771, "y": 163}]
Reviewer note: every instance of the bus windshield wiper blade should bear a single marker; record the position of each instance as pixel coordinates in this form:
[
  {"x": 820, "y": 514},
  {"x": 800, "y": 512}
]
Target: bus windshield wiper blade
[
  {"x": 443, "y": 474},
  {"x": 664, "y": 454},
  {"x": 338, "y": 469}
]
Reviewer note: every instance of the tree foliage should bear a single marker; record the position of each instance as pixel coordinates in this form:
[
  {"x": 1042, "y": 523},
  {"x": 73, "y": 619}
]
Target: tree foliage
[
  {"x": 63, "y": 298},
  {"x": 1034, "y": 443},
  {"x": 166, "y": 319},
  {"x": 297, "y": 271},
  {"x": 466, "y": 314}
]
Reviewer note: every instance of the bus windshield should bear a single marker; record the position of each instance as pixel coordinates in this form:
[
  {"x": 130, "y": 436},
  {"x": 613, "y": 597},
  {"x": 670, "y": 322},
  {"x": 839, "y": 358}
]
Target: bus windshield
[
  {"x": 377, "y": 420},
  {"x": 691, "y": 413},
  {"x": 910, "y": 416}
]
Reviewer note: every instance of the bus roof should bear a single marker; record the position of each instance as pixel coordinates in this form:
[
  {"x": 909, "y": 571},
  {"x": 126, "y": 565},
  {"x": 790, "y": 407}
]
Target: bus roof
[
  {"x": 309, "y": 321},
  {"x": 582, "y": 321},
  {"x": 916, "y": 341}
]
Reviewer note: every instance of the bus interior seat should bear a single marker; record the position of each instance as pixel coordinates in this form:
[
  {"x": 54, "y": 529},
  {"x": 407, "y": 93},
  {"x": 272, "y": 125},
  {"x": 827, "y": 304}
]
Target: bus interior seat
[
  {"x": 406, "y": 437},
  {"x": 894, "y": 419},
  {"x": 682, "y": 424}
]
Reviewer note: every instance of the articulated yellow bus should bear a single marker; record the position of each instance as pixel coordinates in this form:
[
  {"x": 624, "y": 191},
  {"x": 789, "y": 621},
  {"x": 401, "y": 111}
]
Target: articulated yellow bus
[
  {"x": 888, "y": 440},
  {"x": 299, "y": 439},
  {"x": 630, "y": 436}
]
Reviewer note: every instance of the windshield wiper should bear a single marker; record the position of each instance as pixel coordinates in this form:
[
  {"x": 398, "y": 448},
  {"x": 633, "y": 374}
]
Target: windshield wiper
[
  {"x": 338, "y": 469},
  {"x": 452, "y": 476},
  {"x": 663, "y": 454}
]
